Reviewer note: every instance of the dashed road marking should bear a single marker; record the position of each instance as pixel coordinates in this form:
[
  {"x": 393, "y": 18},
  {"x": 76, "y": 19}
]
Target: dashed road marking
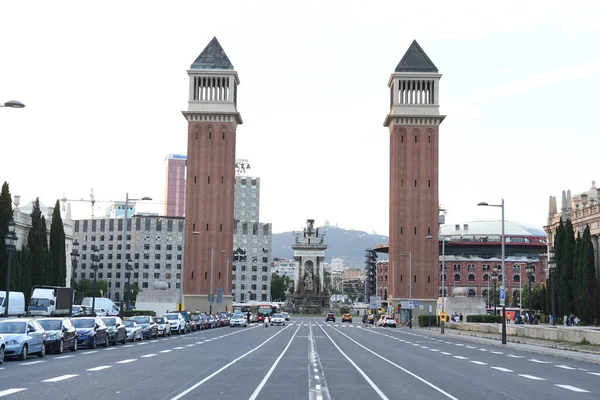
[
  {"x": 446, "y": 353},
  {"x": 534, "y": 378},
  {"x": 539, "y": 361},
  {"x": 594, "y": 373},
  {"x": 149, "y": 355},
  {"x": 62, "y": 357},
  {"x": 60, "y": 378},
  {"x": 502, "y": 369},
  {"x": 90, "y": 352},
  {"x": 11, "y": 391},
  {"x": 178, "y": 348},
  {"x": 126, "y": 361},
  {"x": 165, "y": 351},
  {"x": 100, "y": 368},
  {"x": 573, "y": 388},
  {"x": 32, "y": 362},
  {"x": 514, "y": 356},
  {"x": 496, "y": 352},
  {"x": 564, "y": 367},
  {"x": 461, "y": 357},
  {"x": 479, "y": 362}
]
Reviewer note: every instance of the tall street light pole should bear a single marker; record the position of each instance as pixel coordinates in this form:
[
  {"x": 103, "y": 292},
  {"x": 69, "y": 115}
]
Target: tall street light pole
[
  {"x": 503, "y": 287},
  {"x": 10, "y": 240},
  {"x": 74, "y": 260},
  {"x": 210, "y": 296},
  {"x": 226, "y": 279},
  {"x": 124, "y": 251},
  {"x": 495, "y": 279},
  {"x": 409, "y": 287},
  {"x": 520, "y": 290},
  {"x": 552, "y": 267},
  {"x": 530, "y": 271},
  {"x": 95, "y": 259}
]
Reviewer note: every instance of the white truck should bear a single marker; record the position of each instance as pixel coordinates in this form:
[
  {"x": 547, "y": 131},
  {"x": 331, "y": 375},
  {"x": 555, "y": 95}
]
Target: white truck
[
  {"x": 16, "y": 304},
  {"x": 51, "y": 301}
]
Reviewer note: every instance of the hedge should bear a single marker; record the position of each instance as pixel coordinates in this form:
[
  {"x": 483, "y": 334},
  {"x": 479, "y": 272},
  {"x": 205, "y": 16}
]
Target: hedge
[
  {"x": 133, "y": 313},
  {"x": 423, "y": 322},
  {"x": 485, "y": 318}
]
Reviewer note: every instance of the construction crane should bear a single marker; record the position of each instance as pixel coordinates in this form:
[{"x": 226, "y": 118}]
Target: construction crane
[{"x": 92, "y": 200}]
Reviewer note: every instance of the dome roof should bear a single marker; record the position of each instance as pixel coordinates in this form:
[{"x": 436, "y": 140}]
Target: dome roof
[
  {"x": 482, "y": 228},
  {"x": 28, "y": 208}
]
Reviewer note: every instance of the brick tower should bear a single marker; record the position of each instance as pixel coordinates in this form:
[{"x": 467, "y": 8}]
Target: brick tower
[
  {"x": 212, "y": 121},
  {"x": 413, "y": 122}
]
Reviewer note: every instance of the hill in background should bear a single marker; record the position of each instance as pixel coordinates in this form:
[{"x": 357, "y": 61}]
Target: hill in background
[{"x": 348, "y": 245}]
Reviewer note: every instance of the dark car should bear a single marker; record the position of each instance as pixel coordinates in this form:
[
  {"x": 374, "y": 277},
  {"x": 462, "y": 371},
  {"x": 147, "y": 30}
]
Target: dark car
[
  {"x": 149, "y": 326},
  {"x": 91, "y": 332},
  {"x": 60, "y": 334},
  {"x": 330, "y": 317},
  {"x": 117, "y": 331}
]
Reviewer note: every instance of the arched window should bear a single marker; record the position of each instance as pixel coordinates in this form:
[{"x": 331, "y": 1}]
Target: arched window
[
  {"x": 516, "y": 268},
  {"x": 471, "y": 278},
  {"x": 484, "y": 293},
  {"x": 532, "y": 278},
  {"x": 472, "y": 293},
  {"x": 385, "y": 294},
  {"x": 456, "y": 267},
  {"x": 445, "y": 292},
  {"x": 500, "y": 278},
  {"x": 445, "y": 277},
  {"x": 456, "y": 277},
  {"x": 486, "y": 277},
  {"x": 516, "y": 278}
]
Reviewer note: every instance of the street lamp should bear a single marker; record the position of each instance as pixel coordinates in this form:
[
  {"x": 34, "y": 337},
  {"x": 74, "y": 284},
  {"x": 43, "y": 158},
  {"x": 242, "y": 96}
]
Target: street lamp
[
  {"x": 74, "y": 260},
  {"x": 503, "y": 285},
  {"x": 495, "y": 280},
  {"x": 530, "y": 269},
  {"x": 127, "y": 299},
  {"x": 13, "y": 104},
  {"x": 226, "y": 281},
  {"x": 443, "y": 238},
  {"x": 124, "y": 251},
  {"x": 95, "y": 260},
  {"x": 409, "y": 288},
  {"x": 10, "y": 240},
  {"x": 552, "y": 267}
]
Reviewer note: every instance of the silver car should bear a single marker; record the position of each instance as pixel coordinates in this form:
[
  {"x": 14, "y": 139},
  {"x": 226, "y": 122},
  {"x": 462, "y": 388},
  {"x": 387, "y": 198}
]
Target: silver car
[
  {"x": 23, "y": 336},
  {"x": 134, "y": 331},
  {"x": 238, "y": 320},
  {"x": 2, "y": 349}
]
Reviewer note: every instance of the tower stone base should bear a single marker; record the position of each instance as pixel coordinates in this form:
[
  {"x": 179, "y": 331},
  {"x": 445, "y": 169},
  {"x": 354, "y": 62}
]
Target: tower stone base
[{"x": 310, "y": 303}]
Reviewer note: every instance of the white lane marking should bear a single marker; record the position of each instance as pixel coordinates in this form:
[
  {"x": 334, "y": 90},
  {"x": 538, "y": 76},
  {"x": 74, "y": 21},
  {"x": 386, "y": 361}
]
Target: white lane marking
[
  {"x": 514, "y": 356},
  {"x": 594, "y": 373},
  {"x": 60, "y": 378},
  {"x": 433, "y": 350},
  {"x": 502, "y": 369},
  {"x": 90, "y": 352},
  {"x": 479, "y": 362},
  {"x": 471, "y": 347},
  {"x": 127, "y": 345},
  {"x": 32, "y": 362},
  {"x": 431, "y": 385},
  {"x": 360, "y": 371},
  {"x": 317, "y": 377},
  {"x": 539, "y": 361},
  {"x": 534, "y": 378},
  {"x": 165, "y": 351},
  {"x": 126, "y": 361},
  {"x": 199, "y": 342},
  {"x": 458, "y": 344},
  {"x": 110, "y": 348},
  {"x": 61, "y": 357},
  {"x": 149, "y": 355},
  {"x": 189, "y": 345},
  {"x": 446, "y": 353},
  {"x": 141, "y": 343},
  {"x": 461, "y": 357},
  {"x": 316, "y": 369},
  {"x": 482, "y": 349},
  {"x": 11, "y": 391},
  {"x": 100, "y": 368},
  {"x": 195, "y": 386},
  {"x": 497, "y": 352},
  {"x": 178, "y": 348},
  {"x": 564, "y": 367},
  {"x": 424, "y": 347},
  {"x": 573, "y": 388}
]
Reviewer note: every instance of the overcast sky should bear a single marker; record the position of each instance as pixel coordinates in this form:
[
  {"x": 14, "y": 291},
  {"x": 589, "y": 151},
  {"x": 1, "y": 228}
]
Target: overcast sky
[{"x": 105, "y": 83}]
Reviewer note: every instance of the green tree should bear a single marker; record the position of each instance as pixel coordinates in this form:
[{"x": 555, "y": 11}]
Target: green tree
[
  {"x": 57, "y": 249},
  {"x": 586, "y": 280},
  {"x": 86, "y": 286},
  {"x": 15, "y": 272},
  {"x": 37, "y": 241},
  {"x": 278, "y": 287},
  {"x": 26, "y": 263},
  {"x": 570, "y": 249},
  {"x": 6, "y": 214}
]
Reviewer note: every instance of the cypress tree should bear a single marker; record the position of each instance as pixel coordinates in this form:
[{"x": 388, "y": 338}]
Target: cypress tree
[
  {"x": 6, "y": 214},
  {"x": 57, "y": 248},
  {"x": 26, "y": 266},
  {"x": 16, "y": 272},
  {"x": 589, "y": 306},
  {"x": 576, "y": 294},
  {"x": 570, "y": 247},
  {"x": 560, "y": 269},
  {"x": 37, "y": 242}
]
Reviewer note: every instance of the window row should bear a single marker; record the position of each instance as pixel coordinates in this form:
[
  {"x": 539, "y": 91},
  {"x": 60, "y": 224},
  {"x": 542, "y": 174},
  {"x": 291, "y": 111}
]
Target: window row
[
  {"x": 100, "y": 225},
  {"x": 471, "y": 277}
]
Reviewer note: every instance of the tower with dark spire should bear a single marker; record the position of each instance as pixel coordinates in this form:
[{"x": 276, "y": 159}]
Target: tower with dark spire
[
  {"x": 413, "y": 121},
  {"x": 212, "y": 118}
]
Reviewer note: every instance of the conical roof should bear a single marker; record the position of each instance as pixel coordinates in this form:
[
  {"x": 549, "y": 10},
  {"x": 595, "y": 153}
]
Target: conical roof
[
  {"x": 415, "y": 60},
  {"x": 212, "y": 57}
]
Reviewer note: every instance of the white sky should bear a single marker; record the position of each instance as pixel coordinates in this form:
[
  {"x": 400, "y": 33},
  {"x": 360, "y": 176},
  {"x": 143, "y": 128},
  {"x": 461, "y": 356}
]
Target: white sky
[{"x": 105, "y": 84}]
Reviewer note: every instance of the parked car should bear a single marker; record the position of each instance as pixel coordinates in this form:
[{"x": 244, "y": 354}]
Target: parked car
[
  {"x": 186, "y": 317},
  {"x": 60, "y": 334},
  {"x": 22, "y": 337},
  {"x": 390, "y": 321},
  {"x": 177, "y": 322},
  {"x": 277, "y": 319},
  {"x": 164, "y": 327},
  {"x": 198, "y": 321},
  {"x": 149, "y": 327},
  {"x": 117, "y": 333},
  {"x": 2, "y": 349},
  {"x": 77, "y": 310},
  {"x": 91, "y": 332},
  {"x": 286, "y": 316},
  {"x": 134, "y": 331},
  {"x": 330, "y": 317},
  {"x": 347, "y": 318},
  {"x": 238, "y": 320},
  {"x": 107, "y": 305}
]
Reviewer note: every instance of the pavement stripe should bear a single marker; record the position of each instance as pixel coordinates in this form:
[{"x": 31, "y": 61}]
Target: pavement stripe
[
  {"x": 127, "y": 345},
  {"x": 514, "y": 356},
  {"x": 461, "y": 357},
  {"x": 564, "y": 367},
  {"x": 446, "y": 353},
  {"x": 482, "y": 349},
  {"x": 91, "y": 352},
  {"x": 433, "y": 350},
  {"x": 165, "y": 351},
  {"x": 471, "y": 347},
  {"x": 534, "y": 378},
  {"x": 573, "y": 388},
  {"x": 479, "y": 362},
  {"x": 497, "y": 352},
  {"x": 100, "y": 368},
  {"x": 502, "y": 369},
  {"x": 459, "y": 344},
  {"x": 11, "y": 391},
  {"x": 32, "y": 362},
  {"x": 178, "y": 348},
  {"x": 126, "y": 361},
  {"x": 60, "y": 378},
  {"x": 594, "y": 373},
  {"x": 539, "y": 361},
  {"x": 149, "y": 355}
]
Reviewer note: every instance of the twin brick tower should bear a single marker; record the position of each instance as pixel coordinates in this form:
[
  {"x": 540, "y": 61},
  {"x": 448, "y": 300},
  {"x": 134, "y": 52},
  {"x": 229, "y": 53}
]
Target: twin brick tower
[{"x": 213, "y": 118}]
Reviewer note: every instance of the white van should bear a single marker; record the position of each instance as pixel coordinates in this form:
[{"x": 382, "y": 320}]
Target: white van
[
  {"x": 101, "y": 302},
  {"x": 16, "y": 304}
]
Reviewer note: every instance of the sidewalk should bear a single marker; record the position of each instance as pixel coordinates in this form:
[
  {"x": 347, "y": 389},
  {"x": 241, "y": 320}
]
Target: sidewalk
[{"x": 579, "y": 352}]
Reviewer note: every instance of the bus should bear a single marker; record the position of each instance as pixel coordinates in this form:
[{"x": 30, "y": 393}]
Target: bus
[{"x": 257, "y": 309}]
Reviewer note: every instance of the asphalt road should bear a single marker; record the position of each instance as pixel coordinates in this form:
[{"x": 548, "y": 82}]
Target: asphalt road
[{"x": 306, "y": 359}]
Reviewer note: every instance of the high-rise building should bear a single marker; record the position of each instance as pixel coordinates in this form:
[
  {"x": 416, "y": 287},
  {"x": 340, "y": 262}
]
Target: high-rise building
[
  {"x": 175, "y": 185},
  {"x": 413, "y": 123},
  {"x": 212, "y": 118}
]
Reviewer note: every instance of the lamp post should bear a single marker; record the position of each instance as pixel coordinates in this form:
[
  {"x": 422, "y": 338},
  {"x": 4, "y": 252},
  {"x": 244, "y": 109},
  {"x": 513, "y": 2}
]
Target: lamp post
[
  {"x": 409, "y": 288},
  {"x": 443, "y": 238},
  {"x": 552, "y": 267},
  {"x": 95, "y": 259},
  {"x": 503, "y": 285},
  {"x": 520, "y": 290},
  {"x": 10, "y": 240},
  {"x": 495, "y": 279},
  {"x": 127, "y": 299},
  {"x": 226, "y": 279},
  {"x": 530, "y": 271},
  {"x": 74, "y": 260},
  {"x": 124, "y": 251},
  {"x": 13, "y": 104}
]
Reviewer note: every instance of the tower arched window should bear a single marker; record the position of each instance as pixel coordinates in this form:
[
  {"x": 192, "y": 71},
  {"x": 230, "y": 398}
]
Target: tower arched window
[
  {"x": 456, "y": 277},
  {"x": 472, "y": 293},
  {"x": 471, "y": 278},
  {"x": 516, "y": 278},
  {"x": 445, "y": 277},
  {"x": 486, "y": 277}
]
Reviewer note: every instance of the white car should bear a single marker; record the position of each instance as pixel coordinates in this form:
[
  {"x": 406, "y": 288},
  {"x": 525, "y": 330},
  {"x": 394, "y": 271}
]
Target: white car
[
  {"x": 239, "y": 320},
  {"x": 277, "y": 319},
  {"x": 176, "y": 321},
  {"x": 389, "y": 321},
  {"x": 2, "y": 348},
  {"x": 134, "y": 331},
  {"x": 164, "y": 327}
]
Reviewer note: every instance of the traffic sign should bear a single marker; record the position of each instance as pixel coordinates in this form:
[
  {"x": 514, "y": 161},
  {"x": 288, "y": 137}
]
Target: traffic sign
[
  {"x": 502, "y": 297},
  {"x": 415, "y": 303},
  {"x": 219, "y": 295},
  {"x": 429, "y": 308}
]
